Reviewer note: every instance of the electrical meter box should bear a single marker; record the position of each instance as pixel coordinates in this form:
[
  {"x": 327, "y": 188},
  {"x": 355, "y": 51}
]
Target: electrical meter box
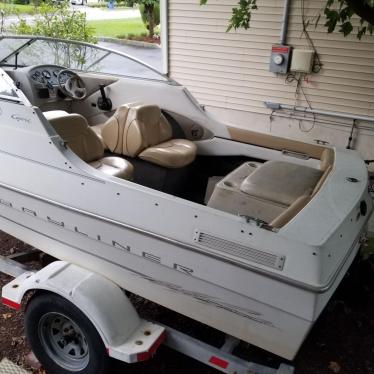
[
  {"x": 280, "y": 58},
  {"x": 302, "y": 61}
]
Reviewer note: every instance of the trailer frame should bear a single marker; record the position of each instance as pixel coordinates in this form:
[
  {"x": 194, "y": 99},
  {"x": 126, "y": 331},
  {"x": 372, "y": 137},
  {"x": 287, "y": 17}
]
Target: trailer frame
[{"x": 221, "y": 358}]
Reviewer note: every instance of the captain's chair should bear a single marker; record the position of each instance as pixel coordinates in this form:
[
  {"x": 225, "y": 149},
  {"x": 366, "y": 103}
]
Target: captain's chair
[
  {"x": 142, "y": 131},
  {"x": 82, "y": 140}
]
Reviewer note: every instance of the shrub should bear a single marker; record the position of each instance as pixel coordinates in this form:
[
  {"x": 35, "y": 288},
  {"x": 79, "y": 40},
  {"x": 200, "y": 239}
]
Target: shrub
[
  {"x": 21, "y": 2},
  {"x": 57, "y": 21},
  {"x": 150, "y": 12}
]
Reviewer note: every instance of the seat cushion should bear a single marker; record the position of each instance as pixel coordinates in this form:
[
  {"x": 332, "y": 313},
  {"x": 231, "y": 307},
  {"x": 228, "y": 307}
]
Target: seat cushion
[
  {"x": 281, "y": 182},
  {"x": 228, "y": 197},
  {"x": 174, "y": 153},
  {"x": 115, "y": 167}
]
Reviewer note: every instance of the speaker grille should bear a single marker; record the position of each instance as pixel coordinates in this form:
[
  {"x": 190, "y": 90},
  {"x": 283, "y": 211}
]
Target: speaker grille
[{"x": 239, "y": 251}]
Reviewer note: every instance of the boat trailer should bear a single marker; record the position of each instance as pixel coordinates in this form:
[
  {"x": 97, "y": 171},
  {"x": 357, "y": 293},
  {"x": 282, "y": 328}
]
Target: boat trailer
[{"x": 135, "y": 346}]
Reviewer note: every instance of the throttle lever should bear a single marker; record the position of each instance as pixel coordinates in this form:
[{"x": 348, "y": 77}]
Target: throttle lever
[{"x": 103, "y": 102}]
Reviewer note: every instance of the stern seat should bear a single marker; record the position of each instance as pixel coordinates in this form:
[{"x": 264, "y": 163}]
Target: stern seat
[
  {"x": 82, "y": 140},
  {"x": 273, "y": 192}
]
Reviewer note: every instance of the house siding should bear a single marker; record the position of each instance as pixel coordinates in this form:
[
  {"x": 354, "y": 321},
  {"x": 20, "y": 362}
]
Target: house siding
[{"x": 231, "y": 70}]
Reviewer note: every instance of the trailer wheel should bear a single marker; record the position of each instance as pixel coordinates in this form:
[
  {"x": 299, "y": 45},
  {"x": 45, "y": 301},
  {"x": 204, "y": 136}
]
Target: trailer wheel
[{"x": 63, "y": 339}]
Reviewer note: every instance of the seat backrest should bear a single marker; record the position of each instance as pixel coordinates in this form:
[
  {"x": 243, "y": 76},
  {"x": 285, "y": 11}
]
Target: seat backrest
[
  {"x": 113, "y": 129},
  {"x": 291, "y": 211},
  {"x": 132, "y": 129},
  {"x": 75, "y": 131}
]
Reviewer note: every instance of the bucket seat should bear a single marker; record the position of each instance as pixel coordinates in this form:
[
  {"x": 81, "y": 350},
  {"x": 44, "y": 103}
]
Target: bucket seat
[
  {"x": 82, "y": 140},
  {"x": 142, "y": 131}
]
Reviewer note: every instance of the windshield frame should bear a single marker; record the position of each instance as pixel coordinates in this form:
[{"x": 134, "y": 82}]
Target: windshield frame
[{"x": 30, "y": 39}]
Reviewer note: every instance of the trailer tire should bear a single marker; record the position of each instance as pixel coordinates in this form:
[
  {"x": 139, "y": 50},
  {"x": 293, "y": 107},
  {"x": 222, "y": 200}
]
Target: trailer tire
[{"x": 62, "y": 338}]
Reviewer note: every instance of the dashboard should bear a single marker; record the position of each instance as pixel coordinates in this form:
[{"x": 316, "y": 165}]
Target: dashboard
[
  {"x": 40, "y": 85},
  {"x": 44, "y": 80}
]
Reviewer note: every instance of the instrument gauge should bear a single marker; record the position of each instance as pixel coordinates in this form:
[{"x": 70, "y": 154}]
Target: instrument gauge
[
  {"x": 46, "y": 74},
  {"x": 55, "y": 73}
]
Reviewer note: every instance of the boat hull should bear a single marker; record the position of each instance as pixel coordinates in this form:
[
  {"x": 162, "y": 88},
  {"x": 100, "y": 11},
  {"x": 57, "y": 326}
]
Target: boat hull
[
  {"x": 266, "y": 287},
  {"x": 163, "y": 272}
]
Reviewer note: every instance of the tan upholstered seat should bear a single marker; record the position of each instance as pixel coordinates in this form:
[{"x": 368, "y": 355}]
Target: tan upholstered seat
[
  {"x": 81, "y": 139},
  {"x": 281, "y": 182},
  {"x": 273, "y": 192},
  {"x": 142, "y": 131}
]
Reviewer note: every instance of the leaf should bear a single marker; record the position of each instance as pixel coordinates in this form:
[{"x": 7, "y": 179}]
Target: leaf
[
  {"x": 346, "y": 28},
  {"x": 337, "y": 12},
  {"x": 7, "y": 315},
  {"x": 361, "y": 32}
]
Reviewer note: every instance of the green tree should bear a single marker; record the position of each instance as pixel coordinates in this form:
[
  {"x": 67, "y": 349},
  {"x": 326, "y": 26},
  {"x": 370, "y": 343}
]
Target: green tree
[
  {"x": 57, "y": 21},
  {"x": 150, "y": 12},
  {"x": 338, "y": 13}
]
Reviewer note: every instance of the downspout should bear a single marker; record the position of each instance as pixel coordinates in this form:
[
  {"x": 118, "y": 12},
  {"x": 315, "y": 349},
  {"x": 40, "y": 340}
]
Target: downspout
[
  {"x": 286, "y": 13},
  {"x": 164, "y": 16}
]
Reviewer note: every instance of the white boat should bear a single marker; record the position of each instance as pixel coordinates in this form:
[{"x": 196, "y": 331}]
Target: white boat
[{"x": 109, "y": 165}]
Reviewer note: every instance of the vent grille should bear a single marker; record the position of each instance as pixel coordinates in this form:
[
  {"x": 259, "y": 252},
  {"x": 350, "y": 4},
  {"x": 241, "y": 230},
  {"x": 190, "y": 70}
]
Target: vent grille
[{"x": 239, "y": 250}]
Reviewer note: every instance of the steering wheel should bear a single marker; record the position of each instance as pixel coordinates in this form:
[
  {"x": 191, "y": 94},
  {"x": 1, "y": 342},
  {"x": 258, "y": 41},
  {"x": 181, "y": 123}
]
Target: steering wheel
[{"x": 71, "y": 84}]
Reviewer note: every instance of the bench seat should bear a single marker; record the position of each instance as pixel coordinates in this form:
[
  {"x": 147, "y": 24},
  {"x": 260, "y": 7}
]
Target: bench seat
[{"x": 264, "y": 191}]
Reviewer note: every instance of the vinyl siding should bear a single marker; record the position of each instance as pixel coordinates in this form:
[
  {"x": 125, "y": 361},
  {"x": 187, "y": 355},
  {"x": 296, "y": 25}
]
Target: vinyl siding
[{"x": 230, "y": 70}]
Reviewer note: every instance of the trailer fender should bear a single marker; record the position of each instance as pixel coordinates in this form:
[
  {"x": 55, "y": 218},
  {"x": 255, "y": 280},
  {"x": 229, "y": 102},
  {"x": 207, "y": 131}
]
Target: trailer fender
[{"x": 102, "y": 301}]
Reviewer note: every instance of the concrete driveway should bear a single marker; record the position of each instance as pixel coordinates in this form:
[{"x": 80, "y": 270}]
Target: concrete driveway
[
  {"x": 92, "y": 14},
  {"x": 151, "y": 56}
]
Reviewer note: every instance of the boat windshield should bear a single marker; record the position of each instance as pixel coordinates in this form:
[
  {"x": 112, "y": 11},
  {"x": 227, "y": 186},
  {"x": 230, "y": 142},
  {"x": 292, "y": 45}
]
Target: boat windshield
[
  {"x": 28, "y": 51},
  {"x": 6, "y": 89}
]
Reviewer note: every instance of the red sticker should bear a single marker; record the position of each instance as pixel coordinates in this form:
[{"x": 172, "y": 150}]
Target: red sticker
[{"x": 280, "y": 49}]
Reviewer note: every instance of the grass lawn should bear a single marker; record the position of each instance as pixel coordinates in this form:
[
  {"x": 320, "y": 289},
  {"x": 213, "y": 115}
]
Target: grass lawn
[
  {"x": 118, "y": 27},
  {"x": 17, "y": 8}
]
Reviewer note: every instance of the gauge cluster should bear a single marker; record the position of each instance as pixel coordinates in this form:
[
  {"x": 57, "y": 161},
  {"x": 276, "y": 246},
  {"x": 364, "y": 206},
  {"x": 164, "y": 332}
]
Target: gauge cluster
[{"x": 45, "y": 82}]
